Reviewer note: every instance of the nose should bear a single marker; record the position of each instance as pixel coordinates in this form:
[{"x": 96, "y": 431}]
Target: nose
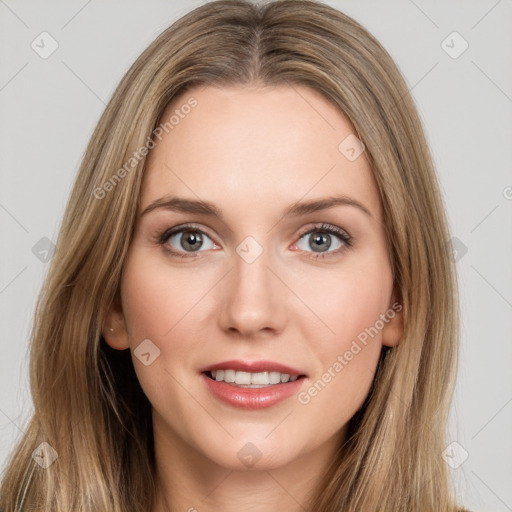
[{"x": 252, "y": 298}]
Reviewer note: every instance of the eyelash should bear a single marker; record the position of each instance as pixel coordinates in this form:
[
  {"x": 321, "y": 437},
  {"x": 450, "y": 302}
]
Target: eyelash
[{"x": 323, "y": 228}]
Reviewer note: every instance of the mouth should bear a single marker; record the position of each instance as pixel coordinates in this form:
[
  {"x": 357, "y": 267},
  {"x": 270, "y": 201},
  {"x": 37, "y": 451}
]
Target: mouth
[
  {"x": 245, "y": 379},
  {"x": 252, "y": 384}
]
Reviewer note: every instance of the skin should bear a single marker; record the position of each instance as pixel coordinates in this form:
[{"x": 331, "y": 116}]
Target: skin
[{"x": 253, "y": 151}]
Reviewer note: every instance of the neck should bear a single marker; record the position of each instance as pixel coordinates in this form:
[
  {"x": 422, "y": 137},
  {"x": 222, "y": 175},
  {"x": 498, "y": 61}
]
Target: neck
[{"x": 188, "y": 481}]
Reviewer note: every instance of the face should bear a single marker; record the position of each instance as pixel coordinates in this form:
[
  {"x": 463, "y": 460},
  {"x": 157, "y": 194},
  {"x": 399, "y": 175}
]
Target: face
[{"x": 270, "y": 272}]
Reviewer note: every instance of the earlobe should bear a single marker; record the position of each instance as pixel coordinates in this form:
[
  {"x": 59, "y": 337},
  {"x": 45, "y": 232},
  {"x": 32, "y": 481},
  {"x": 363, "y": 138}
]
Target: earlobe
[
  {"x": 114, "y": 327},
  {"x": 393, "y": 327}
]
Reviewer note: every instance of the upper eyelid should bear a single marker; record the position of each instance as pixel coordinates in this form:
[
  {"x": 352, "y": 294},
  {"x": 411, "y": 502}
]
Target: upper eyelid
[
  {"x": 180, "y": 228},
  {"x": 324, "y": 226}
]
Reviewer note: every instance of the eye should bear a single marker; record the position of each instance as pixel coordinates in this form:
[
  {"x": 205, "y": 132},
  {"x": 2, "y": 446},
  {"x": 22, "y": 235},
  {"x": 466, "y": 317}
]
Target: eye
[
  {"x": 324, "y": 240},
  {"x": 186, "y": 239},
  {"x": 320, "y": 241}
]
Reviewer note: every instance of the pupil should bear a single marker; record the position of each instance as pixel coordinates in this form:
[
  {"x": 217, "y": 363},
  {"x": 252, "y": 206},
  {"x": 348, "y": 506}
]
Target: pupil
[
  {"x": 191, "y": 240},
  {"x": 318, "y": 240}
]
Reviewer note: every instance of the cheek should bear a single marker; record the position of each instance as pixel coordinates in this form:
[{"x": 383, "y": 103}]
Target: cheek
[
  {"x": 155, "y": 299},
  {"x": 349, "y": 300},
  {"x": 162, "y": 304},
  {"x": 347, "y": 305}
]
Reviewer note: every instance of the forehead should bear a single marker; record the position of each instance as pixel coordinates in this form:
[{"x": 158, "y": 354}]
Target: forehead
[{"x": 255, "y": 147}]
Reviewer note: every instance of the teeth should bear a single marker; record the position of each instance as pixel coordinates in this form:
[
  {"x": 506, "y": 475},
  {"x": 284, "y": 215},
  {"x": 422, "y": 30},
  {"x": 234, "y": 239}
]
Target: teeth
[
  {"x": 253, "y": 380},
  {"x": 274, "y": 377},
  {"x": 229, "y": 375},
  {"x": 244, "y": 378}
]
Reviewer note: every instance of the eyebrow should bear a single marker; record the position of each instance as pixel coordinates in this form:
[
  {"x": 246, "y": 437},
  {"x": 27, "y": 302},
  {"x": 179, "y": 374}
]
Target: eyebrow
[{"x": 179, "y": 204}]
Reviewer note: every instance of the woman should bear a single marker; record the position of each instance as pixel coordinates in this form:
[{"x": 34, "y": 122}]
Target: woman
[{"x": 251, "y": 305}]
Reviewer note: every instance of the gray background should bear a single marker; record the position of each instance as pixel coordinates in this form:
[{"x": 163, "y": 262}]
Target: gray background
[{"x": 50, "y": 106}]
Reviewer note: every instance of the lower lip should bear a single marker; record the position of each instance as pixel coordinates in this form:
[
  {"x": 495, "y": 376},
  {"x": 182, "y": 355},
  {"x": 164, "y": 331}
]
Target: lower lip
[{"x": 252, "y": 398}]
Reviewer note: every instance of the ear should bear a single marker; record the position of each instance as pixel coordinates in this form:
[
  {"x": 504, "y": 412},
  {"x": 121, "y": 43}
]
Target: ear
[
  {"x": 114, "y": 327},
  {"x": 393, "y": 326}
]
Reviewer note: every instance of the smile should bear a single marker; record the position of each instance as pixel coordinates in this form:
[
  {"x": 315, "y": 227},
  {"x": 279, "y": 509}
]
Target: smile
[{"x": 251, "y": 379}]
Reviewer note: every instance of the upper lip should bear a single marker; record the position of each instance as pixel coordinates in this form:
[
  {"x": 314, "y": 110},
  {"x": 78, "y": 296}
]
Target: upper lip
[{"x": 253, "y": 366}]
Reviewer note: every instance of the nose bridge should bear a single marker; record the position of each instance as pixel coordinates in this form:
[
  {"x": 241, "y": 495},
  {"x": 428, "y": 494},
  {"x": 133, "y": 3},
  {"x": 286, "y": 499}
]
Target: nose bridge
[
  {"x": 251, "y": 300},
  {"x": 251, "y": 272}
]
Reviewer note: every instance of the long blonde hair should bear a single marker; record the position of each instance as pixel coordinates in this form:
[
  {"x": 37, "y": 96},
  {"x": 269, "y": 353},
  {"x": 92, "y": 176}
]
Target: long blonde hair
[{"x": 88, "y": 405}]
